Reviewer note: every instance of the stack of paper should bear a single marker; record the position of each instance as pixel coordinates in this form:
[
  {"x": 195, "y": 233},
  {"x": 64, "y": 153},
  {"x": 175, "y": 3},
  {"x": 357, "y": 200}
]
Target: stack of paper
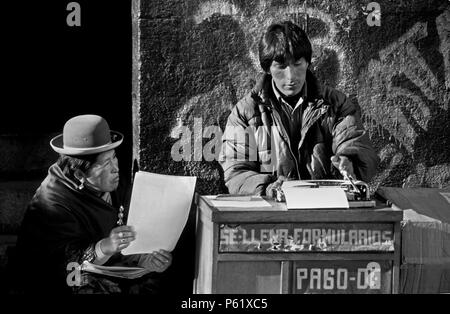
[
  {"x": 304, "y": 195},
  {"x": 425, "y": 238},
  {"x": 115, "y": 271}
]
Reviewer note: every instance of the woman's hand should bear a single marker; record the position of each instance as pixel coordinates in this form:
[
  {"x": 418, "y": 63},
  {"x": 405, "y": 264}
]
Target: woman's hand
[
  {"x": 118, "y": 239},
  {"x": 157, "y": 261}
]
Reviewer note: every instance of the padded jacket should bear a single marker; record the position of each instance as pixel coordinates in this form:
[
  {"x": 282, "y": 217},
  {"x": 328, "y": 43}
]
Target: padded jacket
[{"x": 256, "y": 147}]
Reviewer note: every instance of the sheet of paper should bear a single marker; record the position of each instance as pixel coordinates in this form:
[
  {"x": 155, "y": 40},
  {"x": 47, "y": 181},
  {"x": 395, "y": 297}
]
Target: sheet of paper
[
  {"x": 159, "y": 209},
  {"x": 310, "y": 198},
  {"x": 255, "y": 202},
  {"x": 112, "y": 268},
  {"x": 115, "y": 271}
]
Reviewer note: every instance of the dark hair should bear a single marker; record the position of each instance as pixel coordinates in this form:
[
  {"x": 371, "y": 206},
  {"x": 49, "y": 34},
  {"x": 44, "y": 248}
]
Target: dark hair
[
  {"x": 281, "y": 42},
  {"x": 69, "y": 164}
]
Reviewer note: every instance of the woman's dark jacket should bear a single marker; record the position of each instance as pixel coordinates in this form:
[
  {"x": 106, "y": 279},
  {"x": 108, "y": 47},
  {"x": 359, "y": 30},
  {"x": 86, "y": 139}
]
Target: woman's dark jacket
[{"x": 61, "y": 224}]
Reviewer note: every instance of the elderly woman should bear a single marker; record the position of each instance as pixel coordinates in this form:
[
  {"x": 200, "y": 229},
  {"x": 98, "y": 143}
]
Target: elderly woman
[{"x": 76, "y": 216}]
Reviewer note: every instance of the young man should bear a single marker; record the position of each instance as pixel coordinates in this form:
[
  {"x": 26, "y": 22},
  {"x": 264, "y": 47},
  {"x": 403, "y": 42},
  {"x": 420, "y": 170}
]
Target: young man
[{"x": 291, "y": 127}]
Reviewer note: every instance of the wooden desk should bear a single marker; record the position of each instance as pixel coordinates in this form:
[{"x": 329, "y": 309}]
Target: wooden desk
[{"x": 274, "y": 250}]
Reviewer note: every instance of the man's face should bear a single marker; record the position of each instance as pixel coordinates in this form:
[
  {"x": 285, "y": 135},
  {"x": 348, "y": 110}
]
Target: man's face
[
  {"x": 104, "y": 173},
  {"x": 289, "y": 77}
]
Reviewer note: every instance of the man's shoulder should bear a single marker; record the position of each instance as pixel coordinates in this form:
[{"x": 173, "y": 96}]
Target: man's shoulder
[
  {"x": 248, "y": 106},
  {"x": 332, "y": 96},
  {"x": 319, "y": 91},
  {"x": 340, "y": 103}
]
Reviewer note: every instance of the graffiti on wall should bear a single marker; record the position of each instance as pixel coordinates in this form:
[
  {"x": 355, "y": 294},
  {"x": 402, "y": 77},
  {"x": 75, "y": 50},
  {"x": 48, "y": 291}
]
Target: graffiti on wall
[
  {"x": 404, "y": 99},
  {"x": 405, "y": 104}
]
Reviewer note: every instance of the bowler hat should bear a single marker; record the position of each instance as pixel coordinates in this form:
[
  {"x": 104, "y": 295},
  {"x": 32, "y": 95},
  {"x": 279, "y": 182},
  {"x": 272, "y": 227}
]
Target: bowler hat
[{"x": 86, "y": 135}]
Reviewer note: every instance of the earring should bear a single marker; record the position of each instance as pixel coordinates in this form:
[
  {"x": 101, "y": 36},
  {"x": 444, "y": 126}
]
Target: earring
[{"x": 81, "y": 186}]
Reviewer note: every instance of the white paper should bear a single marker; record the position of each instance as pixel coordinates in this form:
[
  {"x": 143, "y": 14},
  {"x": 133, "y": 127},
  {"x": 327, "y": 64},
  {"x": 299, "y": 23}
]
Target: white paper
[
  {"x": 310, "y": 198},
  {"x": 115, "y": 271},
  {"x": 159, "y": 209},
  {"x": 255, "y": 202}
]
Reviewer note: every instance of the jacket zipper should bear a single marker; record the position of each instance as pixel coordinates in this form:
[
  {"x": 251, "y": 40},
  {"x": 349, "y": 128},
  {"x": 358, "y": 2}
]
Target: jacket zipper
[
  {"x": 311, "y": 120},
  {"x": 286, "y": 138}
]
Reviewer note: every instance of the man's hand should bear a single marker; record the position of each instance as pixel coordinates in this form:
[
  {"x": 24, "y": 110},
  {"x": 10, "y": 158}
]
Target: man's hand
[
  {"x": 157, "y": 261},
  {"x": 118, "y": 239},
  {"x": 344, "y": 165},
  {"x": 272, "y": 187}
]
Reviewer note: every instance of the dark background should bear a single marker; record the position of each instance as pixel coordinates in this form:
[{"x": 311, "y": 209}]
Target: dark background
[{"x": 52, "y": 72}]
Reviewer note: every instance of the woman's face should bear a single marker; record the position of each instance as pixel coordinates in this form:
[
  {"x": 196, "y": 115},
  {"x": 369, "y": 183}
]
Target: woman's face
[{"x": 104, "y": 173}]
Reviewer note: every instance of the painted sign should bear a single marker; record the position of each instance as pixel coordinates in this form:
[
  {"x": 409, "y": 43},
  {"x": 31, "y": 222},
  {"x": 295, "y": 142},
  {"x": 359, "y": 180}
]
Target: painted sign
[
  {"x": 329, "y": 237},
  {"x": 370, "y": 277}
]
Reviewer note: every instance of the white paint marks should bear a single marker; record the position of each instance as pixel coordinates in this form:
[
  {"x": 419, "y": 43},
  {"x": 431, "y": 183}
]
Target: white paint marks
[
  {"x": 443, "y": 28},
  {"x": 208, "y": 8}
]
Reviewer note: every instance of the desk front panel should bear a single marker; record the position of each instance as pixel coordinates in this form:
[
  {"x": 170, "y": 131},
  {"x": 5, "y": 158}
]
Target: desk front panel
[
  {"x": 306, "y": 237},
  {"x": 305, "y": 276},
  {"x": 311, "y": 251},
  {"x": 248, "y": 277},
  {"x": 353, "y": 276}
]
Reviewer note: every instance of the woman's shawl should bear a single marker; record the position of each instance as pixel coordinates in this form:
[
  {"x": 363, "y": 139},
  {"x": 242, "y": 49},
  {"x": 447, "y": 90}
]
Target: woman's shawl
[{"x": 61, "y": 223}]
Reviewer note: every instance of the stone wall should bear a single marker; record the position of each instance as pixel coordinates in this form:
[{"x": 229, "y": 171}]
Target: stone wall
[{"x": 193, "y": 60}]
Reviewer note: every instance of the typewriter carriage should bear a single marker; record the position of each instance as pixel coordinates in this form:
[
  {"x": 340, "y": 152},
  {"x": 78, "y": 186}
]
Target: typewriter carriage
[{"x": 362, "y": 194}]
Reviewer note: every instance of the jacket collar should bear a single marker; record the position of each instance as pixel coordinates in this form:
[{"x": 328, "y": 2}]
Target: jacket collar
[
  {"x": 282, "y": 101},
  {"x": 56, "y": 173}
]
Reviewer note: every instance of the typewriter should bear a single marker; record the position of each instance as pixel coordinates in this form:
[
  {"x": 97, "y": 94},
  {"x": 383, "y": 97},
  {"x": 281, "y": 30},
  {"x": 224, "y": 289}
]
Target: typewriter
[{"x": 357, "y": 192}]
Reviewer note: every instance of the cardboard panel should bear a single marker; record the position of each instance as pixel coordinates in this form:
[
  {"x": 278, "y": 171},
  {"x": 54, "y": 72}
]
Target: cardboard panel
[{"x": 425, "y": 278}]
